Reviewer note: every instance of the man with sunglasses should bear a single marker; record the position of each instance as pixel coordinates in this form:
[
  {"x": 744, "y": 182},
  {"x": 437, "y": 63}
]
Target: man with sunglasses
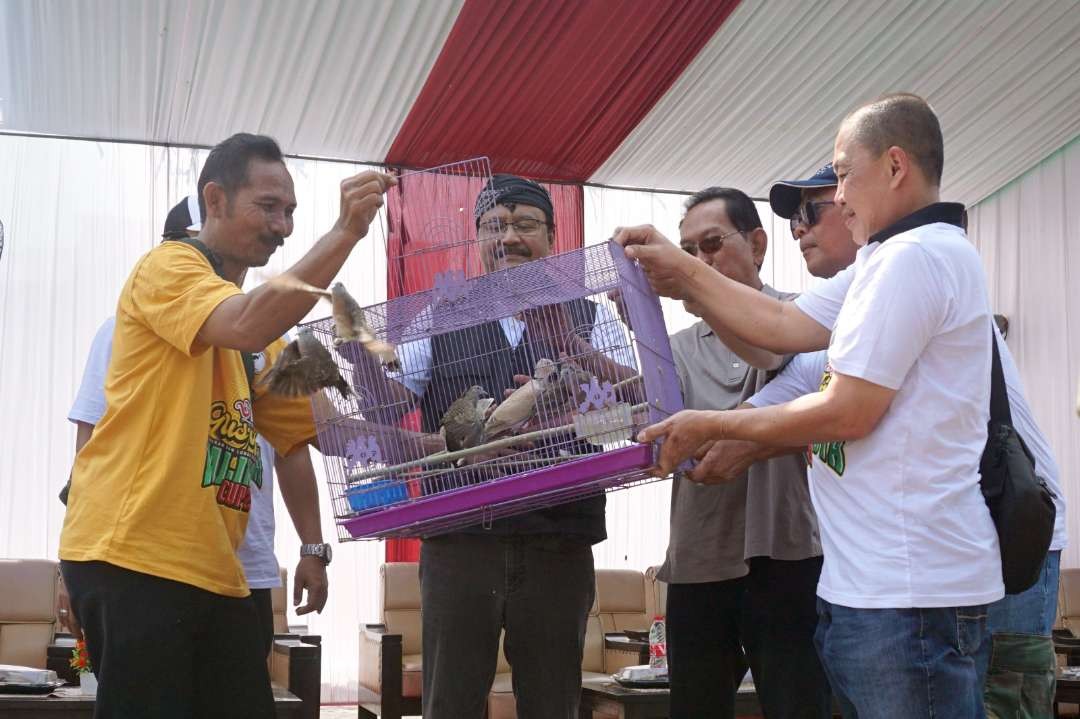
[{"x": 743, "y": 558}]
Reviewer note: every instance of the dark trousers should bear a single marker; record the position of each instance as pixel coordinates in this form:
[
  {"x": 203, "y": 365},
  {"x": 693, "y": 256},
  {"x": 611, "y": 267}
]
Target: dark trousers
[
  {"x": 264, "y": 614},
  {"x": 538, "y": 589},
  {"x": 165, "y": 649},
  {"x": 766, "y": 621}
]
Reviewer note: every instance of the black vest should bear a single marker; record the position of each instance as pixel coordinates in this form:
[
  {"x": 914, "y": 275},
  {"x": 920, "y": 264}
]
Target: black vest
[{"x": 481, "y": 355}]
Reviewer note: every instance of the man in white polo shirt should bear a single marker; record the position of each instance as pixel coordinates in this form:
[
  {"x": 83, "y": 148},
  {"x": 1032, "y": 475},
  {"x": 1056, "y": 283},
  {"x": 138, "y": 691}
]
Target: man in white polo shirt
[
  {"x": 911, "y": 555},
  {"x": 1020, "y": 624}
]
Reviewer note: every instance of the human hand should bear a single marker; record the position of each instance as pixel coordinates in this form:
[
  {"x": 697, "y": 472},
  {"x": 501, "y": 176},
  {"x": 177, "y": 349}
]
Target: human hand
[
  {"x": 683, "y": 433},
  {"x": 66, "y": 614},
  {"x": 668, "y": 268},
  {"x": 361, "y": 198},
  {"x": 616, "y": 298},
  {"x": 310, "y": 575},
  {"x": 723, "y": 460},
  {"x": 552, "y": 325}
]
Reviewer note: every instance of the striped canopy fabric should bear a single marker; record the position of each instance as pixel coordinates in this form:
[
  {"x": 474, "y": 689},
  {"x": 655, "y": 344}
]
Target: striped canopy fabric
[{"x": 667, "y": 94}]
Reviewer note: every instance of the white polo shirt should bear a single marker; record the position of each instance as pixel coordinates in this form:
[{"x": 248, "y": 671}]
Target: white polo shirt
[
  {"x": 804, "y": 373},
  {"x": 903, "y": 522}
]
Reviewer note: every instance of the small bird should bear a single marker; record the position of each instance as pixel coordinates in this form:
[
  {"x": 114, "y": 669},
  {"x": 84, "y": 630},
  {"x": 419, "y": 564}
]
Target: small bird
[
  {"x": 350, "y": 325},
  {"x": 462, "y": 426},
  {"x": 304, "y": 367},
  {"x": 515, "y": 411}
]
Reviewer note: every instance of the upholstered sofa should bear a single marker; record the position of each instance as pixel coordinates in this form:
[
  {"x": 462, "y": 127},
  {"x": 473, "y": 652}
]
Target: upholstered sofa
[{"x": 390, "y": 673}]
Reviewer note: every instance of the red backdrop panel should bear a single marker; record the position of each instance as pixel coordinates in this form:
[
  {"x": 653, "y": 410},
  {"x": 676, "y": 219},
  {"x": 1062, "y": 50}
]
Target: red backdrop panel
[{"x": 549, "y": 88}]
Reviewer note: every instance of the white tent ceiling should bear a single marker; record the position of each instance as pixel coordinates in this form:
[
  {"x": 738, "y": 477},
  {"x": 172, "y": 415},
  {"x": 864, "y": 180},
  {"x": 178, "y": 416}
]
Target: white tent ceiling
[
  {"x": 336, "y": 78},
  {"x": 763, "y": 99},
  {"x": 332, "y": 78}
]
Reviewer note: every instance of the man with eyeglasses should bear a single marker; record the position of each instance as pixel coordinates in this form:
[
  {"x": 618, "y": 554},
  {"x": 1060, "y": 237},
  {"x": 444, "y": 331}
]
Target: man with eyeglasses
[
  {"x": 530, "y": 575},
  {"x": 743, "y": 558}
]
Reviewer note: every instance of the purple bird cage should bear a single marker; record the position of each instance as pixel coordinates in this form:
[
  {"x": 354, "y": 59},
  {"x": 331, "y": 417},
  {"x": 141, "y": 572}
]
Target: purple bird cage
[{"x": 573, "y": 345}]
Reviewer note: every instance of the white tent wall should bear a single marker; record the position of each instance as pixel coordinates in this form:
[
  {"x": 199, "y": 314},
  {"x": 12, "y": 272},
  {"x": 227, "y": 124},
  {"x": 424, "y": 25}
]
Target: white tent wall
[
  {"x": 1028, "y": 234},
  {"x": 78, "y": 214}
]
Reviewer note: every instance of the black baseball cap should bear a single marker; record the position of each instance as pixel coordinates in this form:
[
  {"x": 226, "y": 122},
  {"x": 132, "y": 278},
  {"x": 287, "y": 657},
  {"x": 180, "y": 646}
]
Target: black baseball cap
[
  {"x": 182, "y": 217},
  {"x": 785, "y": 195}
]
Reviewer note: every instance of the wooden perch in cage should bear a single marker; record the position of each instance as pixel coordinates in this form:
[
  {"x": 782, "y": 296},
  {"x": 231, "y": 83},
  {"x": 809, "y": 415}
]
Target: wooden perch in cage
[{"x": 449, "y": 457}]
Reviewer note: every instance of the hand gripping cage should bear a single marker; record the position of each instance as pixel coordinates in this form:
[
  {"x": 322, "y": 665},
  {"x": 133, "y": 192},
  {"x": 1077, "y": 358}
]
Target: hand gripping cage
[{"x": 574, "y": 349}]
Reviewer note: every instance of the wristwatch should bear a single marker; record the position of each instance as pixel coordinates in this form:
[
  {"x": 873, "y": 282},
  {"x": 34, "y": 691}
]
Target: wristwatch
[{"x": 322, "y": 551}]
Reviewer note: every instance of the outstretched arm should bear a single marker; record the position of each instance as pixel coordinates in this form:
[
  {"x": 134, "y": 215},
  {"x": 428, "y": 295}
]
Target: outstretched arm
[
  {"x": 849, "y": 408},
  {"x": 249, "y": 322},
  {"x": 753, "y": 325}
]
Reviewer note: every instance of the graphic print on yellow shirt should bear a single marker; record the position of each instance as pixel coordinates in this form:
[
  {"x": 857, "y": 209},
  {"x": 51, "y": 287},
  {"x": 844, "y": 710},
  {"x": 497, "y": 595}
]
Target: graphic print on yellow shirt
[
  {"x": 163, "y": 486},
  {"x": 232, "y": 455},
  {"x": 831, "y": 453}
]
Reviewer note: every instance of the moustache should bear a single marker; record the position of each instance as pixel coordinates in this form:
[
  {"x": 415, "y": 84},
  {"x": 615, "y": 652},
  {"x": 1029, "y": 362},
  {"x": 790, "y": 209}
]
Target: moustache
[
  {"x": 502, "y": 251},
  {"x": 275, "y": 240}
]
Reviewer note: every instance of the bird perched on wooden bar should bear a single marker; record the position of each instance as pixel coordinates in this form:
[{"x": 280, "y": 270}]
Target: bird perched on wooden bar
[
  {"x": 304, "y": 367},
  {"x": 462, "y": 425},
  {"x": 515, "y": 411}
]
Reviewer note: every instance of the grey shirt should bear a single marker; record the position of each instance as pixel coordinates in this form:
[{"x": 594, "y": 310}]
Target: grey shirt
[{"x": 765, "y": 513}]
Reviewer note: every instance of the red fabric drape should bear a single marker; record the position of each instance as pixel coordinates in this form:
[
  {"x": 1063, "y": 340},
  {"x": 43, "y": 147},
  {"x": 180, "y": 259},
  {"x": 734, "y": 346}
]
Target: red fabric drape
[
  {"x": 549, "y": 88},
  {"x": 432, "y": 230}
]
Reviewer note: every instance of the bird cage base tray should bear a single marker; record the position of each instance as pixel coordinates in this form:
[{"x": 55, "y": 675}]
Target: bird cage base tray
[{"x": 430, "y": 514}]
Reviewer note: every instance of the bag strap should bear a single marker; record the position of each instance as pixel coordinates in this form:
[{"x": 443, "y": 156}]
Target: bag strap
[
  {"x": 999, "y": 393},
  {"x": 215, "y": 264}
]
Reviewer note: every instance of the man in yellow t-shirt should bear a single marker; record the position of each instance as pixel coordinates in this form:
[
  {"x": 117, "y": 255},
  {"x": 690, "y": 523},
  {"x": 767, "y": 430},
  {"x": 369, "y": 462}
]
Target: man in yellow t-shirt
[{"x": 160, "y": 493}]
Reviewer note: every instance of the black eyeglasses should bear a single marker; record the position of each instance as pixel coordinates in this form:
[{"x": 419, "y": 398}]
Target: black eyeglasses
[
  {"x": 710, "y": 244},
  {"x": 809, "y": 214},
  {"x": 527, "y": 227}
]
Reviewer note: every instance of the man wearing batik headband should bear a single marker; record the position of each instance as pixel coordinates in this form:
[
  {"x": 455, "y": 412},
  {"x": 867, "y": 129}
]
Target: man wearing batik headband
[{"x": 530, "y": 575}]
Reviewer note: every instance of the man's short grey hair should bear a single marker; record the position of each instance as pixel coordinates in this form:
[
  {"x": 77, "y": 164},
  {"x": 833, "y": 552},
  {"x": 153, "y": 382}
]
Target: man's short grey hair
[{"x": 906, "y": 121}]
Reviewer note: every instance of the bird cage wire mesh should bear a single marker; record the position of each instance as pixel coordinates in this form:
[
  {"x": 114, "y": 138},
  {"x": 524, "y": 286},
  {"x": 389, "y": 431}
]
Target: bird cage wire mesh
[{"x": 573, "y": 346}]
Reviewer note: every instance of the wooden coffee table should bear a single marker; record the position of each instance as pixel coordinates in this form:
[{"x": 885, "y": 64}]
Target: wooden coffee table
[
  {"x": 68, "y": 703},
  {"x": 609, "y": 697}
]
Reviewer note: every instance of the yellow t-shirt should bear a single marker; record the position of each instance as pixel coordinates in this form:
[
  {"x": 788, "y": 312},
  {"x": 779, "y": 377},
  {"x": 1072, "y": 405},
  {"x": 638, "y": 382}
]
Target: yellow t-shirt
[{"x": 163, "y": 486}]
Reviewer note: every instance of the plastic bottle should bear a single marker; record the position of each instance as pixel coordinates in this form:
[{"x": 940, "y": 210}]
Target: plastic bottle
[{"x": 658, "y": 644}]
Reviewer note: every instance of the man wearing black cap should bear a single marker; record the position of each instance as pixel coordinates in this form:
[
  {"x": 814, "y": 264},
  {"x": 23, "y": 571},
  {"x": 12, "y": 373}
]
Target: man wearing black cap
[{"x": 530, "y": 575}]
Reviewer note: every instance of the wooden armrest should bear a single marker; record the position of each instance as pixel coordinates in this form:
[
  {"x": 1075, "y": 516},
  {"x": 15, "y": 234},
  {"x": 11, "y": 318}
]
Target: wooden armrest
[
  {"x": 380, "y": 660},
  {"x": 297, "y": 665}
]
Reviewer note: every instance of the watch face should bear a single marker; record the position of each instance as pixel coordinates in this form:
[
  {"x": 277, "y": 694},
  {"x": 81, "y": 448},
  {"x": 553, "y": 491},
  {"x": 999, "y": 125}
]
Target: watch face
[{"x": 327, "y": 552}]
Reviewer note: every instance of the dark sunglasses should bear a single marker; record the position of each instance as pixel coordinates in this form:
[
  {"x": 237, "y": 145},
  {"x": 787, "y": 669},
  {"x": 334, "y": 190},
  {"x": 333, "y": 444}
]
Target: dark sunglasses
[
  {"x": 808, "y": 213},
  {"x": 710, "y": 244}
]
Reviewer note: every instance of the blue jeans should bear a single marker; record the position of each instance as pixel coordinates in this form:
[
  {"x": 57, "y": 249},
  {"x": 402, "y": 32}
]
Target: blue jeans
[
  {"x": 1033, "y": 611},
  {"x": 903, "y": 663}
]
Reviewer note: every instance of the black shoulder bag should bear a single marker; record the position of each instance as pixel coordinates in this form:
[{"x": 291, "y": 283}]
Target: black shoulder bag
[{"x": 1020, "y": 503}]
